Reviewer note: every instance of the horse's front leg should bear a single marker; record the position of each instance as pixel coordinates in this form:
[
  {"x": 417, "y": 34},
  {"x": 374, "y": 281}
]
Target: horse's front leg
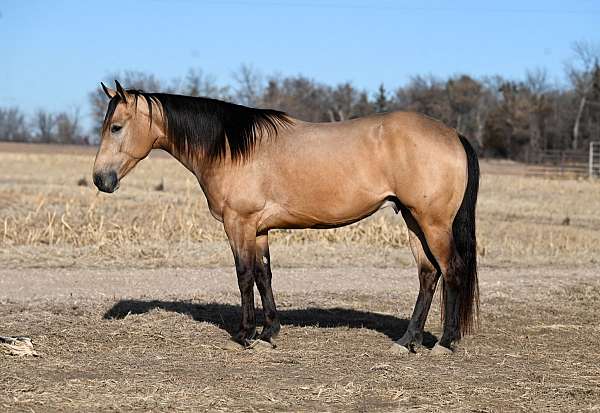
[
  {"x": 241, "y": 232},
  {"x": 263, "y": 277}
]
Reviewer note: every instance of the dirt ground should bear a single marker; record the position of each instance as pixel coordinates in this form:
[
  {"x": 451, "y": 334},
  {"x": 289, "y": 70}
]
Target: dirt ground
[{"x": 156, "y": 340}]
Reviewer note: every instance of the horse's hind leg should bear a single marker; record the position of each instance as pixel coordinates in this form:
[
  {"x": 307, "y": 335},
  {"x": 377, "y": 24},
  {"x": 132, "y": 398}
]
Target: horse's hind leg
[
  {"x": 428, "y": 278},
  {"x": 262, "y": 277},
  {"x": 441, "y": 244}
]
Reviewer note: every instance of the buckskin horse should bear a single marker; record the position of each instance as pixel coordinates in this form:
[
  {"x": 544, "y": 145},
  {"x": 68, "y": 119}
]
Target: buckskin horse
[{"x": 261, "y": 169}]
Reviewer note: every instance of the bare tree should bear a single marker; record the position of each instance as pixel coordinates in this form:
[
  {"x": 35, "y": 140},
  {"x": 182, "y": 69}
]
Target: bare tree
[
  {"x": 363, "y": 106},
  {"x": 44, "y": 125},
  {"x": 13, "y": 126},
  {"x": 425, "y": 94},
  {"x": 540, "y": 108},
  {"x": 488, "y": 101},
  {"x": 463, "y": 96},
  {"x": 586, "y": 56},
  {"x": 67, "y": 127},
  {"x": 199, "y": 84},
  {"x": 343, "y": 98},
  {"x": 299, "y": 96},
  {"x": 249, "y": 85}
]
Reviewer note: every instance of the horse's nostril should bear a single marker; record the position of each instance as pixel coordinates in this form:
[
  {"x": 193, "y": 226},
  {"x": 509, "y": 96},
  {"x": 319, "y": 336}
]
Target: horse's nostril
[
  {"x": 97, "y": 180},
  {"x": 111, "y": 179},
  {"x": 106, "y": 181}
]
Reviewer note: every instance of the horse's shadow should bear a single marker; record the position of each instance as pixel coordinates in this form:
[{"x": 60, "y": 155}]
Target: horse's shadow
[{"x": 226, "y": 317}]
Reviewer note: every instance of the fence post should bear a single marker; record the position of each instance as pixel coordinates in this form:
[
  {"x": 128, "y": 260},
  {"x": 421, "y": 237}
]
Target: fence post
[{"x": 591, "y": 161}]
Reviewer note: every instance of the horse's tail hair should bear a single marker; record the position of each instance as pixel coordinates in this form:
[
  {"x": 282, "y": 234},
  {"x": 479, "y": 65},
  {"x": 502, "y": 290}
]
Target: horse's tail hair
[{"x": 465, "y": 242}]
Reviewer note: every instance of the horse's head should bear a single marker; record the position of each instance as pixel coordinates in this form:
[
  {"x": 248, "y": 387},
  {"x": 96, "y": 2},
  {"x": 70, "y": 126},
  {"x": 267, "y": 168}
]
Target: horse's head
[{"x": 128, "y": 136}]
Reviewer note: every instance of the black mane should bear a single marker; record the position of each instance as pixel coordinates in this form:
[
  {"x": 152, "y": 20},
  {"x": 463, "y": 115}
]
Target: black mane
[{"x": 209, "y": 125}]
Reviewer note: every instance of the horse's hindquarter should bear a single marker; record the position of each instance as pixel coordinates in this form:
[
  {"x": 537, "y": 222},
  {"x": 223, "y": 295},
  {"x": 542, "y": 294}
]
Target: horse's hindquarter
[
  {"x": 430, "y": 164},
  {"x": 324, "y": 175}
]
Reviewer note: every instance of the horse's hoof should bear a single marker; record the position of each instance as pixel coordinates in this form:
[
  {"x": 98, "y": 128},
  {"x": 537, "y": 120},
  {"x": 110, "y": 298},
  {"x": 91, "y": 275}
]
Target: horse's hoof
[
  {"x": 261, "y": 345},
  {"x": 439, "y": 350},
  {"x": 399, "y": 349}
]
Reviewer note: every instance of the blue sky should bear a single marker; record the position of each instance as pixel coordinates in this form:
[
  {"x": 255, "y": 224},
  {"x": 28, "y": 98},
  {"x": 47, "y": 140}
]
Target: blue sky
[{"x": 52, "y": 53}]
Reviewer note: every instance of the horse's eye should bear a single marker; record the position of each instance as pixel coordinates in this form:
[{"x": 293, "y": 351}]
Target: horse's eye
[{"x": 115, "y": 128}]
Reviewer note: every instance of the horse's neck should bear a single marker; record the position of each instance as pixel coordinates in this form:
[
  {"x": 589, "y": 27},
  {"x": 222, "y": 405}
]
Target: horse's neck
[
  {"x": 190, "y": 163},
  {"x": 209, "y": 176}
]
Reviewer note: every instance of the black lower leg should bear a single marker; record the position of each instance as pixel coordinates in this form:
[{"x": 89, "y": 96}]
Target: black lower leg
[
  {"x": 451, "y": 315},
  {"x": 271, "y": 325},
  {"x": 247, "y": 330},
  {"x": 414, "y": 333}
]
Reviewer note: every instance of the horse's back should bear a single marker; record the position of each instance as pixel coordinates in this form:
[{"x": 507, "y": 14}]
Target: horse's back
[{"x": 406, "y": 154}]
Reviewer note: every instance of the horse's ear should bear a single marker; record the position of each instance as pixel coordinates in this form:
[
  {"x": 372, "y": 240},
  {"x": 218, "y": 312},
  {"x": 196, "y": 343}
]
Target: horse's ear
[
  {"x": 109, "y": 92},
  {"x": 121, "y": 91}
]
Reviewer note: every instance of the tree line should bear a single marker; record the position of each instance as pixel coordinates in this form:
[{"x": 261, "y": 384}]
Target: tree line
[
  {"x": 42, "y": 127},
  {"x": 502, "y": 117}
]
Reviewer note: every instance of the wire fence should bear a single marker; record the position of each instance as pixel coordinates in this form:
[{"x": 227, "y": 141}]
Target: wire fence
[{"x": 565, "y": 163}]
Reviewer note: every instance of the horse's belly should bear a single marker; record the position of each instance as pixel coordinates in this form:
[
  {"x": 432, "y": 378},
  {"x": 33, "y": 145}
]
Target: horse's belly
[{"x": 325, "y": 214}]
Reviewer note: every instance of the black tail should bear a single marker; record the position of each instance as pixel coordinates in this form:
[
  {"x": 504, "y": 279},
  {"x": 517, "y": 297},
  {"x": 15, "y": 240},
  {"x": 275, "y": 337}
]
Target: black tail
[{"x": 463, "y": 230}]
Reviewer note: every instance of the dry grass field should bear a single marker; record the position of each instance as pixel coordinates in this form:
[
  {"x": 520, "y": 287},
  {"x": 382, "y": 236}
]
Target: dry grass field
[{"x": 130, "y": 299}]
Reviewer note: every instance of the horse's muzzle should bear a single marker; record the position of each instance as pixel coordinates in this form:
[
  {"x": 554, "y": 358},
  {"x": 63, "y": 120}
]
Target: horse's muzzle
[{"x": 106, "y": 181}]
